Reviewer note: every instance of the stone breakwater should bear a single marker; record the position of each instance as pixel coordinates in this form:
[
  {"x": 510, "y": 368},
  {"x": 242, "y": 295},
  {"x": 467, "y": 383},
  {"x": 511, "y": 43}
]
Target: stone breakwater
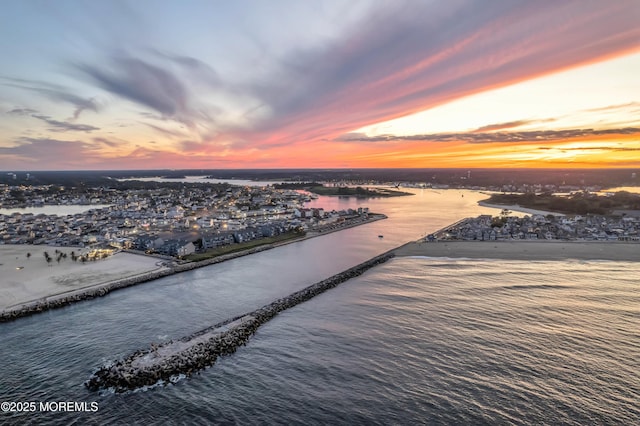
[{"x": 163, "y": 363}]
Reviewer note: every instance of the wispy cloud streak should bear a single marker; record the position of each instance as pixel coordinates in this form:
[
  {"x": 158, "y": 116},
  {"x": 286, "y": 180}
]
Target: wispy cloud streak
[
  {"x": 22, "y": 111},
  {"x": 46, "y": 151},
  {"x": 170, "y": 85},
  {"x": 64, "y": 126},
  {"x": 142, "y": 83},
  {"x": 397, "y": 63},
  {"x": 55, "y": 93},
  {"x": 511, "y": 125},
  {"x": 476, "y": 137},
  {"x": 634, "y": 106}
]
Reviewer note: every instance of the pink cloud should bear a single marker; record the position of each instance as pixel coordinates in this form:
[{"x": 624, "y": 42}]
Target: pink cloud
[
  {"x": 399, "y": 66},
  {"x": 404, "y": 58}
]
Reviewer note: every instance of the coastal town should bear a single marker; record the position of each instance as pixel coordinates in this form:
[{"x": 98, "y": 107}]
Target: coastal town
[
  {"x": 172, "y": 221},
  {"x": 143, "y": 231},
  {"x": 506, "y": 227},
  {"x": 178, "y": 220}
]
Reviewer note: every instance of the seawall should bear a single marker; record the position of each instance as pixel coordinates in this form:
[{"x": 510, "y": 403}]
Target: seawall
[{"x": 165, "y": 362}]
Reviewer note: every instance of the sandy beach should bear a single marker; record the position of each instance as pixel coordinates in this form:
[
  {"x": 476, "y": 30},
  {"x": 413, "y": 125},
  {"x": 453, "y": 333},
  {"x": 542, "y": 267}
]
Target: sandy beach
[
  {"x": 25, "y": 279},
  {"x": 525, "y": 250}
]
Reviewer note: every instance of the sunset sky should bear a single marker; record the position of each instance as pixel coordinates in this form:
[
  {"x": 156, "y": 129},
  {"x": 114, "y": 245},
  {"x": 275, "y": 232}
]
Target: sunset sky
[{"x": 319, "y": 84}]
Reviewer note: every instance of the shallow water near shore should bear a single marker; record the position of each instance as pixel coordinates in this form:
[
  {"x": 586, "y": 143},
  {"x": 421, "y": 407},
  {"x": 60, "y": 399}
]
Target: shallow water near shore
[{"x": 412, "y": 341}]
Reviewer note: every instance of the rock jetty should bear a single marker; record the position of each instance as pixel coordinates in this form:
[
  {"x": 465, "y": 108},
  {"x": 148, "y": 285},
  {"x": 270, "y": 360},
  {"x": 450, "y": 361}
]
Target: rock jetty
[{"x": 164, "y": 363}]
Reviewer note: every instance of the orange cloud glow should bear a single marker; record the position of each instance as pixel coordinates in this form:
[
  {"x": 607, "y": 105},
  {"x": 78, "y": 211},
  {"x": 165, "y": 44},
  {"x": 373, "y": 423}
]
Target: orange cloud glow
[{"x": 147, "y": 108}]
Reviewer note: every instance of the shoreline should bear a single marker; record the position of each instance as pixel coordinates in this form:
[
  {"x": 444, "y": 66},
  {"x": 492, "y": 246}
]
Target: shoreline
[
  {"x": 161, "y": 269},
  {"x": 524, "y": 250}
]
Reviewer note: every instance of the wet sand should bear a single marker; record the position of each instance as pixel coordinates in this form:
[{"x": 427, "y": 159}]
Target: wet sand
[{"x": 525, "y": 250}]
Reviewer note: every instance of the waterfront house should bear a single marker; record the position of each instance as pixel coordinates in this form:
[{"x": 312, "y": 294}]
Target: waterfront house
[
  {"x": 218, "y": 239},
  {"x": 176, "y": 247}
]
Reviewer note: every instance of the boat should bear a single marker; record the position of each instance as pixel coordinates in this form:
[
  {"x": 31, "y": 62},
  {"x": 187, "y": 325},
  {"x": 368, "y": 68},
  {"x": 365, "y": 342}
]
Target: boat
[{"x": 380, "y": 236}]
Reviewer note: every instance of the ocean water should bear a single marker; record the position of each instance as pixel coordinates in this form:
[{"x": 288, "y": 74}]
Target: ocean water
[{"x": 413, "y": 341}]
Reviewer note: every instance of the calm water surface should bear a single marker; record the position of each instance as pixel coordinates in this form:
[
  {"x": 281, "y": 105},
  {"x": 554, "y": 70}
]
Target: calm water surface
[{"x": 416, "y": 340}]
